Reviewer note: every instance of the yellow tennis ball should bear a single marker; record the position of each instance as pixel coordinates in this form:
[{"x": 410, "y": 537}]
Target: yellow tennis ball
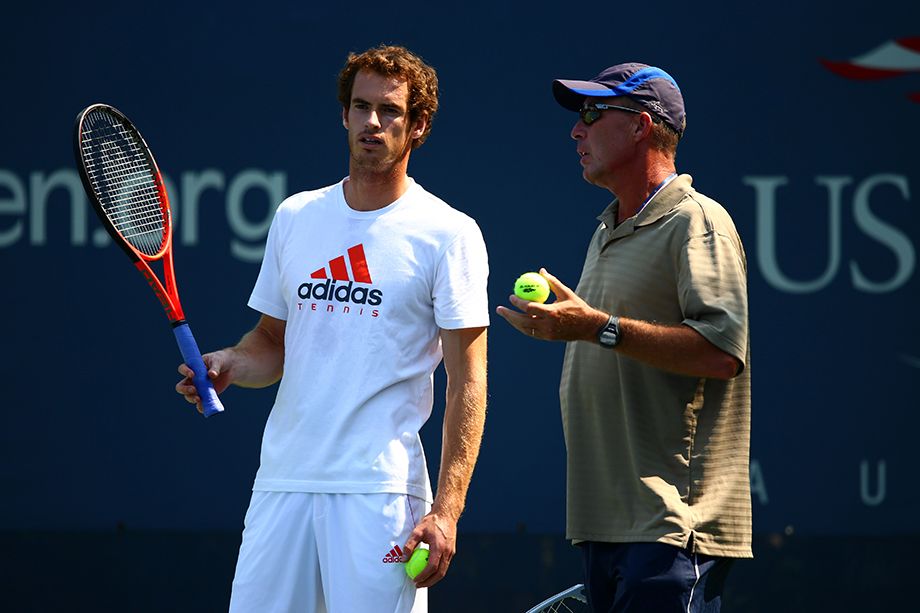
[
  {"x": 417, "y": 562},
  {"x": 531, "y": 286}
]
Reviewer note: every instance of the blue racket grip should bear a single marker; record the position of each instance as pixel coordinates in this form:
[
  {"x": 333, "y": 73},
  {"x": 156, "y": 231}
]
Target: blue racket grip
[{"x": 192, "y": 356}]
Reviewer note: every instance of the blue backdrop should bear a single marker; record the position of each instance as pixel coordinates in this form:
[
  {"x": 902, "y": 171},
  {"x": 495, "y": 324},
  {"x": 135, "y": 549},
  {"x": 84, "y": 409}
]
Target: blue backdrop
[{"x": 237, "y": 100}]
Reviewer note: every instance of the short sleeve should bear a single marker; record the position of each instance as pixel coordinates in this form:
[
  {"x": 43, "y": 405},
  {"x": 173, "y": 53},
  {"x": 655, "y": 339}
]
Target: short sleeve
[
  {"x": 713, "y": 291},
  {"x": 267, "y": 296},
  {"x": 460, "y": 294}
]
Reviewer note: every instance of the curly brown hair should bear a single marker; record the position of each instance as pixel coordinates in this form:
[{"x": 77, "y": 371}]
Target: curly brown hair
[{"x": 396, "y": 61}]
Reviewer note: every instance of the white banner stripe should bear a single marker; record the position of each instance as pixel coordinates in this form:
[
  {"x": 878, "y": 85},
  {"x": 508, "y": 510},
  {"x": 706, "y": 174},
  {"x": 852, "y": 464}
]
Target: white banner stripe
[{"x": 889, "y": 56}]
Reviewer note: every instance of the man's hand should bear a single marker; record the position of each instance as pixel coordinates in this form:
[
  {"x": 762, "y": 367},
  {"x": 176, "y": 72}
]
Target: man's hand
[
  {"x": 256, "y": 361},
  {"x": 568, "y": 318},
  {"x": 440, "y": 533},
  {"x": 218, "y": 373}
]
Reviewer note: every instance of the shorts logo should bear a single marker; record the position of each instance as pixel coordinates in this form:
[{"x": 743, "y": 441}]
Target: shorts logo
[
  {"x": 353, "y": 289},
  {"x": 393, "y": 556}
]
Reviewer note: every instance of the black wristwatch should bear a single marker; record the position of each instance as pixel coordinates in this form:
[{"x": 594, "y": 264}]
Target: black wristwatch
[{"x": 609, "y": 335}]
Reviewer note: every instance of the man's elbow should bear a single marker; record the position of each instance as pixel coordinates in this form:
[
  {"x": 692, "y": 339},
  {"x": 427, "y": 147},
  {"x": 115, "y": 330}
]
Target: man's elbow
[{"x": 726, "y": 367}]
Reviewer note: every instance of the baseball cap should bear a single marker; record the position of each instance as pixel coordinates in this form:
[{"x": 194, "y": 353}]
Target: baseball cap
[{"x": 651, "y": 87}]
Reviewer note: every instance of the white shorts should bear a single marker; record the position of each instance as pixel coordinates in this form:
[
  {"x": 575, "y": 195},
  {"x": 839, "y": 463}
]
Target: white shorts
[{"x": 327, "y": 553}]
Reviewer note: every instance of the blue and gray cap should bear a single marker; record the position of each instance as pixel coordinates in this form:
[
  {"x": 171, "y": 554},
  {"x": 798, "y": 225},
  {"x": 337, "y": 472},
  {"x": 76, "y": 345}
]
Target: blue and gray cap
[{"x": 651, "y": 87}]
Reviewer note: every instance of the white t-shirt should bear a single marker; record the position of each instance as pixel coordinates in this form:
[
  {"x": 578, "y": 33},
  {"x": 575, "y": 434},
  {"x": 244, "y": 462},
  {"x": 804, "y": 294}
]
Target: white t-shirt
[{"x": 364, "y": 295}]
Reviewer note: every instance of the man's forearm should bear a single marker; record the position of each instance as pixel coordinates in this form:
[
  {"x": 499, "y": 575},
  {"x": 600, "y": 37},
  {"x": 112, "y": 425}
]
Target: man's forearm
[
  {"x": 464, "y": 418},
  {"x": 675, "y": 348},
  {"x": 258, "y": 359},
  {"x": 464, "y": 421}
]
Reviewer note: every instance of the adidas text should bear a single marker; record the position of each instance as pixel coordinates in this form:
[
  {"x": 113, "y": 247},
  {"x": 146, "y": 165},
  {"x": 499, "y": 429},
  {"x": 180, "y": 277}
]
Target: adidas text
[{"x": 328, "y": 290}]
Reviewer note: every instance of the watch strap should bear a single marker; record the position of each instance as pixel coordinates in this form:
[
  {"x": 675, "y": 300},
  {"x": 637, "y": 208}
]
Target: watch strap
[{"x": 609, "y": 334}]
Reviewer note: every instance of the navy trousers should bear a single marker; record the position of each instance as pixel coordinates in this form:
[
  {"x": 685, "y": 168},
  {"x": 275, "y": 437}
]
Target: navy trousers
[{"x": 652, "y": 577}]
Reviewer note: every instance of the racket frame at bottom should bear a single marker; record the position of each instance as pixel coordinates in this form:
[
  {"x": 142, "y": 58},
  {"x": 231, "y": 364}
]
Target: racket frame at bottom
[{"x": 557, "y": 602}]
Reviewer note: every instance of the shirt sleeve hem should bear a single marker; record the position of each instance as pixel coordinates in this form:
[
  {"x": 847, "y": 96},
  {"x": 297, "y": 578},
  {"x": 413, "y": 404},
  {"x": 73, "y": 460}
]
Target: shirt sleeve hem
[{"x": 272, "y": 310}]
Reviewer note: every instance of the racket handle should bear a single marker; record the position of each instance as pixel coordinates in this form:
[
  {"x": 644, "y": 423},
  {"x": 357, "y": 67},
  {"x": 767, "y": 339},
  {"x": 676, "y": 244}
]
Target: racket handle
[{"x": 192, "y": 356}]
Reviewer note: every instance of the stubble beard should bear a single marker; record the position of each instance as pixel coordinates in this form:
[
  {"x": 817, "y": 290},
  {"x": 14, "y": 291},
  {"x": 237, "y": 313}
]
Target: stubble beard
[{"x": 377, "y": 168}]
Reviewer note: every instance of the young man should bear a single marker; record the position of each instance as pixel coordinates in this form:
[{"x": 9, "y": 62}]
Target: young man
[
  {"x": 365, "y": 284},
  {"x": 655, "y": 385}
]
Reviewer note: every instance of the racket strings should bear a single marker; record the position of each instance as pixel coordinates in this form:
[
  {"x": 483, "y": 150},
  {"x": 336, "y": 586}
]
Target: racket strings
[
  {"x": 130, "y": 197},
  {"x": 124, "y": 181}
]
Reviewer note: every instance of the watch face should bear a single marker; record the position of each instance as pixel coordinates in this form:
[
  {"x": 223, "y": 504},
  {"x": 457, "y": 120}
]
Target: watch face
[{"x": 609, "y": 334}]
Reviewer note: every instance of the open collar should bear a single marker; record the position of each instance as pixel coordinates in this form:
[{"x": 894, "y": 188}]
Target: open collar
[{"x": 660, "y": 205}]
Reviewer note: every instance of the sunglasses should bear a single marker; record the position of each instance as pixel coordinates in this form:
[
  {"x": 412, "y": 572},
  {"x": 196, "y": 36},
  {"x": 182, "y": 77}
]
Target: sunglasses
[{"x": 592, "y": 112}]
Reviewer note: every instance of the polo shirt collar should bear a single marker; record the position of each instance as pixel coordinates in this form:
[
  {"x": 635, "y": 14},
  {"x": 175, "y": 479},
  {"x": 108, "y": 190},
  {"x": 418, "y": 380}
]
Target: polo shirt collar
[{"x": 660, "y": 205}]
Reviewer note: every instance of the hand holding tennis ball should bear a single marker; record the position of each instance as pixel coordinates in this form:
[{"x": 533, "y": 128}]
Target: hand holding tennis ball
[
  {"x": 417, "y": 562},
  {"x": 531, "y": 286}
]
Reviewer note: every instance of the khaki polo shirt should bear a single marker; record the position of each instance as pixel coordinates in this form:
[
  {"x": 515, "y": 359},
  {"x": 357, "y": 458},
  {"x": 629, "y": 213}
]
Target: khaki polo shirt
[{"x": 654, "y": 456}]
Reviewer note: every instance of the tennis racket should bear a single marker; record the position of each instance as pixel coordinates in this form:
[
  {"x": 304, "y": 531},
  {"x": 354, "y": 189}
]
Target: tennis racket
[
  {"x": 572, "y": 599},
  {"x": 127, "y": 191}
]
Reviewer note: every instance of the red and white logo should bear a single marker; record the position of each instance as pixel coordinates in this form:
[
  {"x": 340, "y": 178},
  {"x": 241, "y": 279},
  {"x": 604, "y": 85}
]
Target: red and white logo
[
  {"x": 892, "y": 58},
  {"x": 339, "y": 270},
  {"x": 343, "y": 281},
  {"x": 393, "y": 556}
]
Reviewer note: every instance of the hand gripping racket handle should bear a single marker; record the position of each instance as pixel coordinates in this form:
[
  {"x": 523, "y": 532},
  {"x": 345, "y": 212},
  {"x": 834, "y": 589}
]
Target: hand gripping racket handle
[{"x": 192, "y": 356}]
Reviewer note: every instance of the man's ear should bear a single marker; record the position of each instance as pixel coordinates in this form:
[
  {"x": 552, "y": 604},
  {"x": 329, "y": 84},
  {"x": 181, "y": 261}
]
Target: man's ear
[
  {"x": 421, "y": 125},
  {"x": 345, "y": 118},
  {"x": 644, "y": 127}
]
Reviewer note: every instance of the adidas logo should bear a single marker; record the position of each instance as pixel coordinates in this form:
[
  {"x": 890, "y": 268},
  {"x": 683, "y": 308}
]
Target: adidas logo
[
  {"x": 348, "y": 292},
  {"x": 340, "y": 272},
  {"x": 393, "y": 556}
]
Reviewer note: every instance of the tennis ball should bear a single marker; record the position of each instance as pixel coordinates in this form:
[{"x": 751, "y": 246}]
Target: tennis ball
[
  {"x": 531, "y": 286},
  {"x": 417, "y": 562}
]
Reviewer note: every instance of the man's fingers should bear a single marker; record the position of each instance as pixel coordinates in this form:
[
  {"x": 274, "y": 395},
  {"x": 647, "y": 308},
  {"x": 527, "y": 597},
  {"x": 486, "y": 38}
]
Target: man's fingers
[
  {"x": 213, "y": 368},
  {"x": 410, "y": 545},
  {"x": 522, "y": 322},
  {"x": 555, "y": 285},
  {"x": 186, "y": 388},
  {"x": 514, "y": 318},
  {"x": 529, "y": 306},
  {"x": 435, "y": 570},
  {"x": 213, "y": 365},
  {"x": 428, "y": 571}
]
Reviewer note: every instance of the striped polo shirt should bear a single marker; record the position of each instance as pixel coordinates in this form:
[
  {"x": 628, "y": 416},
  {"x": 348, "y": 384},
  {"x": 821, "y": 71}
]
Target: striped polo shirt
[{"x": 655, "y": 456}]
